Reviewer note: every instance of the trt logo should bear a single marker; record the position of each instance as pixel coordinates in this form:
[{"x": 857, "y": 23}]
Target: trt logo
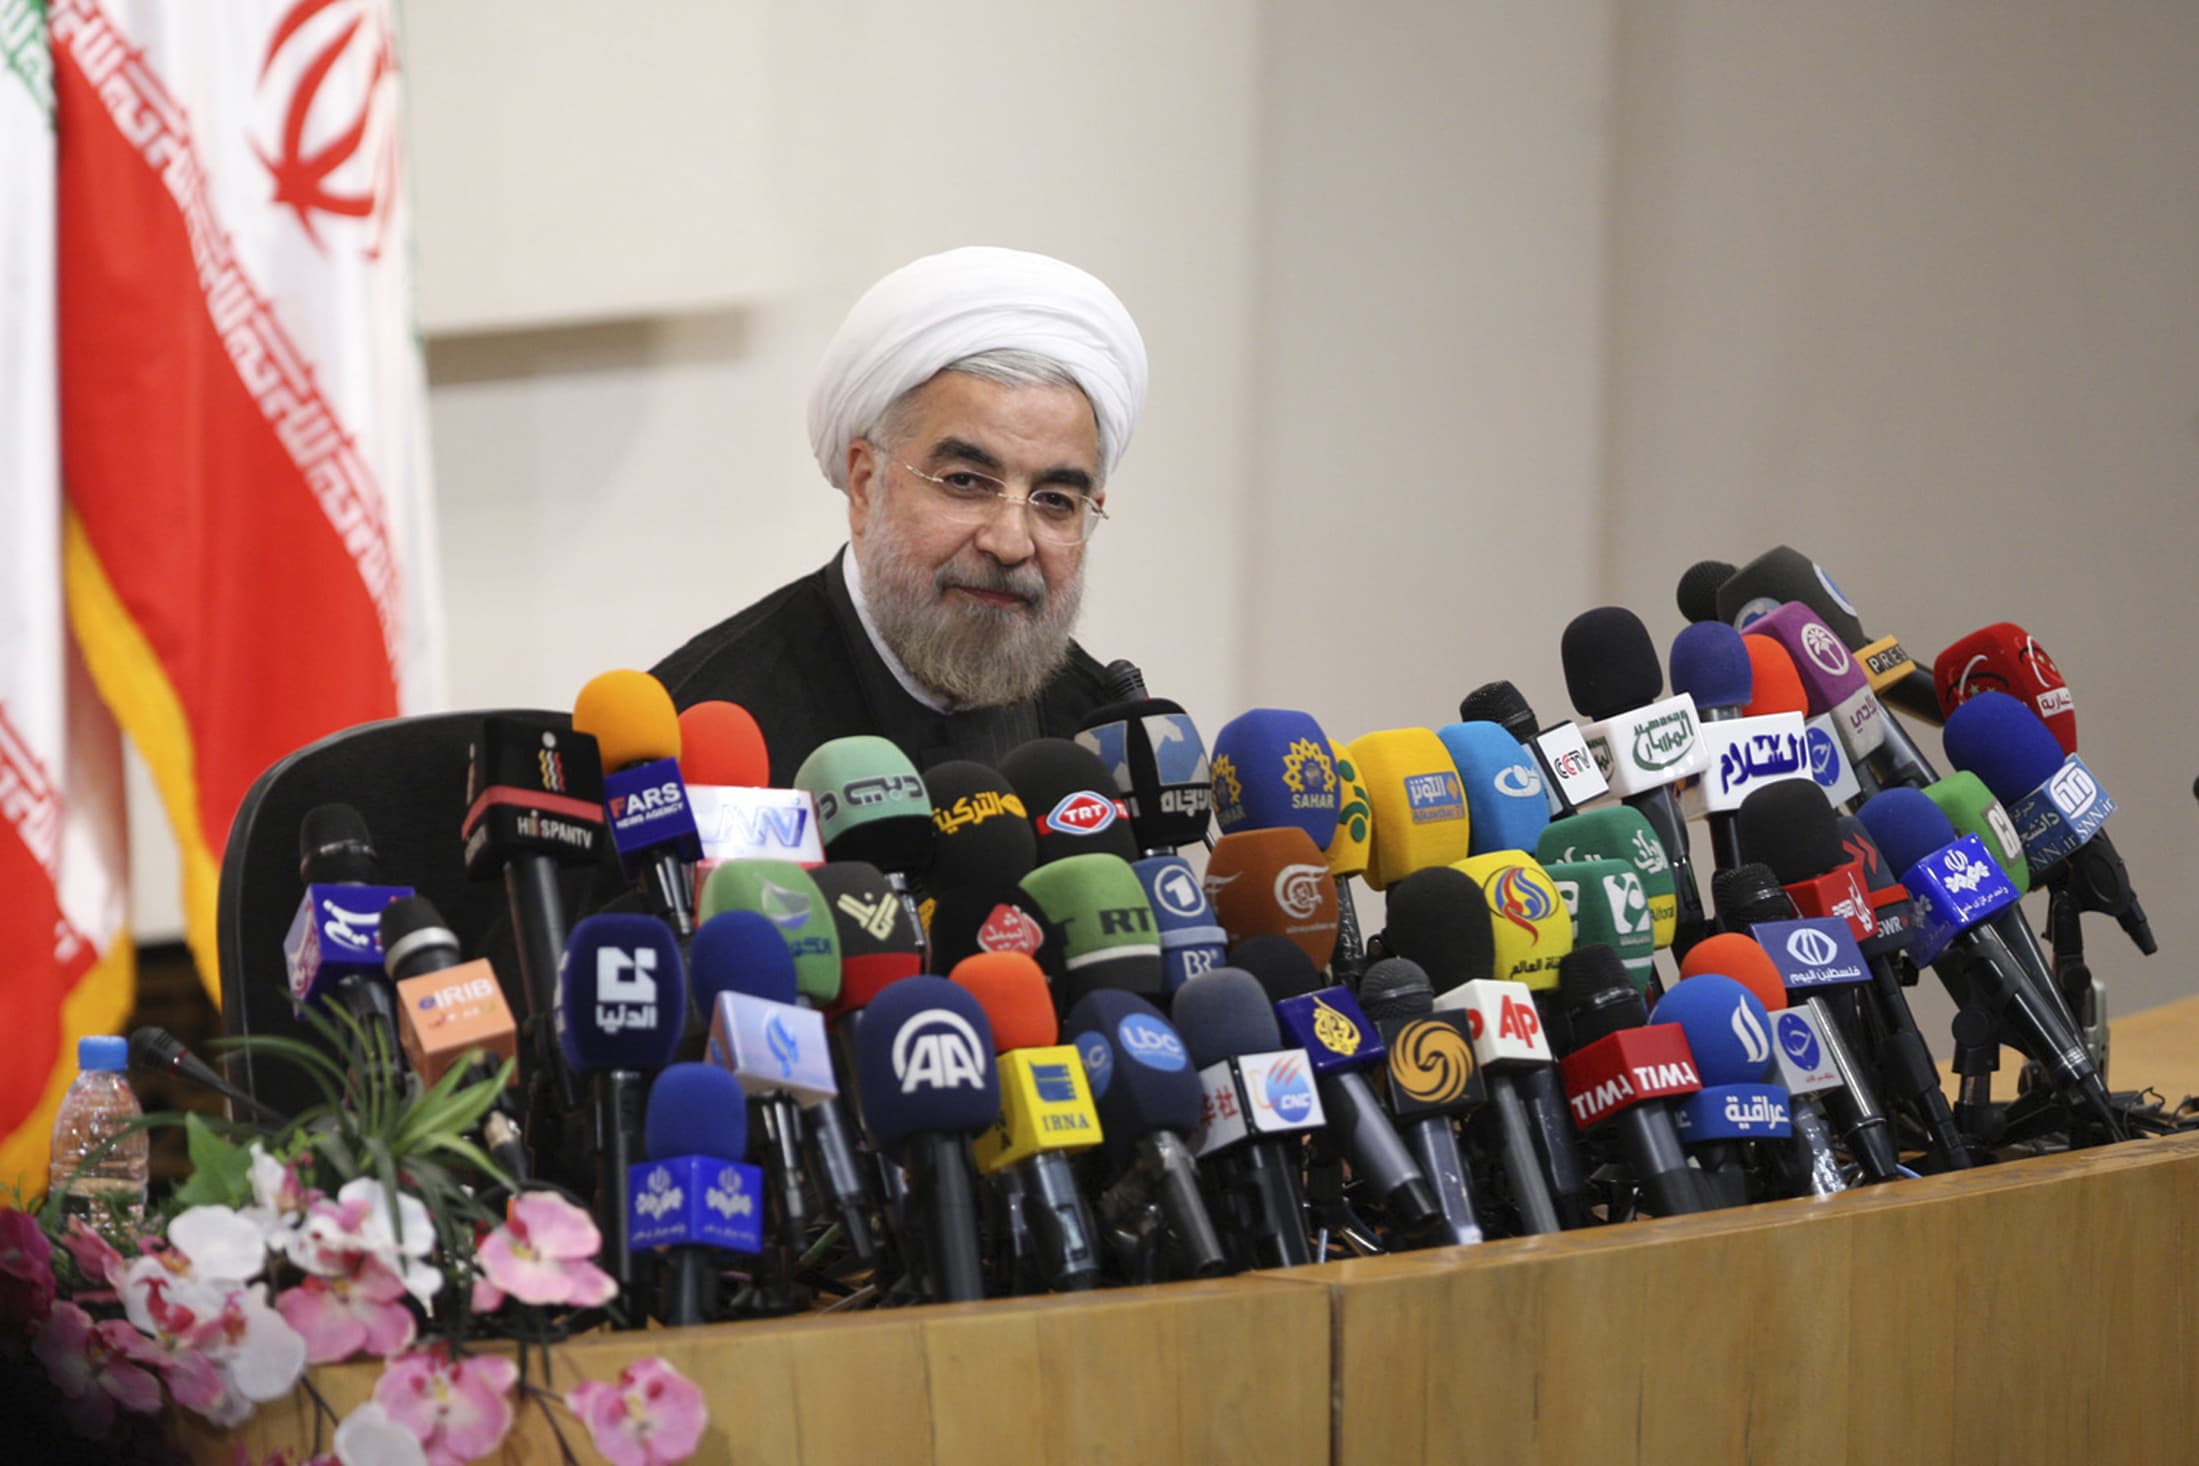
[{"x": 1081, "y": 813}]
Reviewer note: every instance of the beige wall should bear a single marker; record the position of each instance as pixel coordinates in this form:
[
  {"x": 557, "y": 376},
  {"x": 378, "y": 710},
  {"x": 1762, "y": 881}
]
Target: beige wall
[{"x": 1463, "y": 318}]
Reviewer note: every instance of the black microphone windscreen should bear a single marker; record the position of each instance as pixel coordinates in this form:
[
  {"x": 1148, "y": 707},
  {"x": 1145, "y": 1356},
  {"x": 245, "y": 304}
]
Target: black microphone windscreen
[
  {"x": 1439, "y": 919},
  {"x": 1791, "y": 827},
  {"x": 334, "y": 845},
  {"x": 1072, "y": 800},
  {"x": 1611, "y": 665},
  {"x": 1500, "y": 703},
  {"x": 1747, "y": 894},
  {"x": 1395, "y": 987},
  {"x": 412, "y": 929},
  {"x": 1698, "y": 589},
  {"x": 981, "y": 828},
  {"x": 1224, "y": 1012},
  {"x": 1597, "y": 993},
  {"x": 1281, "y": 965},
  {"x": 1122, "y": 681}
]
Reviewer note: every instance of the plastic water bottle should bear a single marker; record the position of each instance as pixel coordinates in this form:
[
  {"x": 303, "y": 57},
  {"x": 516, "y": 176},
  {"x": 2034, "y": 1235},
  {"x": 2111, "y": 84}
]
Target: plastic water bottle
[{"x": 99, "y": 1103}]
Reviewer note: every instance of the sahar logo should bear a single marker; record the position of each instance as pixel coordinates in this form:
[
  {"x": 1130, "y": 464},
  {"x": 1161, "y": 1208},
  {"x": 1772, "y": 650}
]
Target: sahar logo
[
  {"x": 1229, "y": 790},
  {"x": 1355, "y": 808},
  {"x": 1336, "y": 1033},
  {"x": 1663, "y": 741},
  {"x": 1310, "y": 775},
  {"x": 938, "y": 1049},
  {"x": 1514, "y": 894},
  {"x": 325, "y": 121},
  {"x": 1430, "y": 1061},
  {"x": 1824, "y": 648},
  {"x": 1298, "y": 890}
]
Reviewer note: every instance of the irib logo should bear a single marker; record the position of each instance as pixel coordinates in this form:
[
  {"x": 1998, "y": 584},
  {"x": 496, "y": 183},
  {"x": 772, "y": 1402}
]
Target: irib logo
[
  {"x": 1298, "y": 890},
  {"x": 2072, "y": 790},
  {"x": 1962, "y": 875},
  {"x": 938, "y": 1049},
  {"x": 1824, "y": 648},
  {"x": 1811, "y": 947}
]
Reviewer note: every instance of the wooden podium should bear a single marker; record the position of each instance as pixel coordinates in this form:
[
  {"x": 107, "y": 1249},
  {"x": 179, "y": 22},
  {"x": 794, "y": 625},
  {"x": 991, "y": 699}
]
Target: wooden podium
[{"x": 2040, "y": 1311}]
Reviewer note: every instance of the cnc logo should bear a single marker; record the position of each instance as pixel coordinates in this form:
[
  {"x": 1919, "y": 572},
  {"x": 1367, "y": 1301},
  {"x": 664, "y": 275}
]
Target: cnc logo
[
  {"x": 1749, "y": 1029},
  {"x": 1176, "y": 892},
  {"x": 2072, "y": 790},
  {"x": 875, "y": 917},
  {"x": 1336, "y": 1033},
  {"x": 730, "y": 1197},
  {"x": 1081, "y": 813},
  {"x": 1964, "y": 875},
  {"x": 1431, "y": 1062},
  {"x": 1824, "y": 648},
  {"x": 1309, "y": 775},
  {"x": 938, "y": 1049},
  {"x": 1298, "y": 890},
  {"x": 1797, "y": 1039},
  {"x": 1811, "y": 947},
  {"x": 1517, "y": 781},
  {"x": 1151, "y": 1042},
  {"x": 1520, "y": 899},
  {"x": 1287, "y": 1090},
  {"x": 659, "y": 1197},
  {"x": 1010, "y": 929},
  {"x": 327, "y": 94}
]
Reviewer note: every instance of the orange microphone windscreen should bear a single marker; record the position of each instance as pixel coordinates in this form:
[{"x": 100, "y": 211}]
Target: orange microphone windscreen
[
  {"x": 1729, "y": 954},
  {"x": 1012, "y": 990},
  {"x": 1274, "y": 882},
  {"x": 721, "y": 744},
  {"x": 631, "y": 716},
  {"x": 1778, "y": 687}
]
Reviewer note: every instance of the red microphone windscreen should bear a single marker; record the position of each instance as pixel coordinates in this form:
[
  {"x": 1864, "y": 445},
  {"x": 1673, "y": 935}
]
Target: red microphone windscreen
[
  {"x": 1013, "y": 993},
  {"x": 1778, "y": 686},
  {"x": 721, "y": 744}
]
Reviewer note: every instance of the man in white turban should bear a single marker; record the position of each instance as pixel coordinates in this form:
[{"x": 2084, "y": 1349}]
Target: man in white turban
[{"x": 972, "y": 406}]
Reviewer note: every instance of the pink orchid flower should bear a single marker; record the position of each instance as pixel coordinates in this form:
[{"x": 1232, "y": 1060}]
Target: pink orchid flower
[
  {"x": 459, "y": 1409},
  {"x": 95, "y": 1256},
  {"x": 358, "y": 1221},
  {"x": 368, "y": 1436},
  {"x": 654, "y": 1415},
  {"x": 26, "y": 1269},
  {"x": 280, "y": 1197},
  {"x": 542, "y": 1255},
  {"x": 337, "y": 1317},
  {"x": 97, "y": 1366}
]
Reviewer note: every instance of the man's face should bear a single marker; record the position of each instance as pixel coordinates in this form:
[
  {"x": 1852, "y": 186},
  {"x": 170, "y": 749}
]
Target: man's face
[{"x": 980, "y": 611}]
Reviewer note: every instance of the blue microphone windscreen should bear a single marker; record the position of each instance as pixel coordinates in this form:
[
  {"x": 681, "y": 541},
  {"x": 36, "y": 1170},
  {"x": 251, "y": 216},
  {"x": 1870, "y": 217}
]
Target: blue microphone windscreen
[
  {"x": 1273, "y": 767},
  {"x": 1710, "y": 663},
  {"x": 1224, "y": 1013},
  {"x": 621, "y": 994},
  {"x": 740, "y": 952},
  {"x": 695, "y": 1109},
  {"x": 924, "y": 1062},
  {"x": 1505, "y": 805},
  {"x": 1137, "y": 1065},
  {"x": 2004, "y": 743},
  {"x": 1192, "y": 938},
  {"x": 1906, "y": 826},
  {"x": 1726, "y": 1027}
]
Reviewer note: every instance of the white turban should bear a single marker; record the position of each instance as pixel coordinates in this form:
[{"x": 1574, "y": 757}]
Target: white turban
[{"x": 944, "y": 307}]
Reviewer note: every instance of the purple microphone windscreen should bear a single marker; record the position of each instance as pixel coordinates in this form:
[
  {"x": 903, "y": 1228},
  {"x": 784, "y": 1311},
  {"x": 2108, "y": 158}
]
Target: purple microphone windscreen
[
  {"x": 740, "y": 952},
  {"x": 2004, "y": 743},
  {"x": 621, "y": 994},
  {"x": 1273, "y": 769},
  {"x": 695, "y": 1109},
  {"x": 1611, "y": 665},
  {"x": 1710, "y": 663}
]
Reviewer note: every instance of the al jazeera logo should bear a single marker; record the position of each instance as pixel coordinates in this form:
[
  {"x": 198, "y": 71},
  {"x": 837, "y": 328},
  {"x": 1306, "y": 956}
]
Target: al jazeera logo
[
  {"x": 1338, "y": 1034},
  {"x": 1430, "y": 1062}
]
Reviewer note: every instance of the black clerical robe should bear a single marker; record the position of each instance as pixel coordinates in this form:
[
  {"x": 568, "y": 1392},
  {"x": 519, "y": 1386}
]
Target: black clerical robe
[{"x": 800, "y": 661}]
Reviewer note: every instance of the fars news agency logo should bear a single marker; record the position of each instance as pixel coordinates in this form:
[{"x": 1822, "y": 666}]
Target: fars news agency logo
[{"x": 937, "y": 1049}]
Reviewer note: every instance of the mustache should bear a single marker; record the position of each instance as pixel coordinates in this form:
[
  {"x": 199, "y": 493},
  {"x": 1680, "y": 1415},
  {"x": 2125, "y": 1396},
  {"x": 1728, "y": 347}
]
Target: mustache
[{"x": 1023, "y": 581}]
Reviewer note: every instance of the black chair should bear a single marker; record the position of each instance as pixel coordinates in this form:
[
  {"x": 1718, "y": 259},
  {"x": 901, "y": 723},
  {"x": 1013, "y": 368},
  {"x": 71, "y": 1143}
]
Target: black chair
[{"x": 407, "y": 776}]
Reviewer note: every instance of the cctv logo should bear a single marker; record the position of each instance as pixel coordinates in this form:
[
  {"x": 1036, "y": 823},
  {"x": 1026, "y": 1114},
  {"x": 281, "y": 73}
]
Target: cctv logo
[
  {"x": 624, "y": 977},
  {"x": 2072, "y": 790},
  {"x": 937, "y": 1049}
]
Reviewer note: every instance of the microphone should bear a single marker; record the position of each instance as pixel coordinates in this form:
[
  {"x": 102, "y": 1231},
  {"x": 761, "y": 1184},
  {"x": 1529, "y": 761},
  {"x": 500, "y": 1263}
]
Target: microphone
[
  {"x": 788, "y": 897},
  {"x": 1149, "y": 1099},
  {"x": 1642, "y": 742},
  {"x": 1838, "y": 691},
  {"x": 1971, "y": 808},
  {"x": 1418, "y": 799},
  {"x": 1778, "y": 689},
  {"x": 452, "y": 1012},
  {"x": 1258, "y": 1101},
  {"x": 1617, "y": 832},
  {"x": 1625, "y": 1073},
  {"x": 1780, "y": 575},
  {"x": 1159, "y": 764},
  {"x": 1347, "y": 852},
  {"x": 1609, "y": 909},
  {"x": 1805, "y": 1068},
  {"x": 776, "y": 1051},
  {"x": 880, "y": 941},
  {"x": 621, "y": 996},
  {"x": 1108, "y": 936},
  {"x": 694, "y": 1194},
  {"x": 1569, "y": 775},
  {"x": 994, "y": 917},
  {"x": 1431, "y": 1077},
  {"x": 1192, "y": 938},
  {"x": 637, "y": 734},
  {"x": 157, "y": 1048},
  {"x": 1272, "y": 769},
  {"x": 1341, "y": 1042},
  {"x": 927, "y": 1084},
  {"x": 872, "y": 807},
  {"x": 737, "y": 815},
  {"x": 1046, "y": 1115},
  {"x": 981, "y": 830},
  {"x": 1729, "y": 1033},
  {"x": 1505, "y": 807},
  {"x": 1957, "y": 890},
  {"x": 2006, "y": 658},
  {"x": 333, "y": 950},
  {"x": 1537, "y": 1150},
  {"x": 1697, "y": 592},
  {"x": 2057, "y": 806},
  {"x": 1071, "y": 797},
  {"x": 534, "y": 803},
  {"x": 1274, "y": 881},
  {"x": 1122, "y": 681},
  {"x": 1710, "y": 663},
  {"x": 1529, "y": 928}
]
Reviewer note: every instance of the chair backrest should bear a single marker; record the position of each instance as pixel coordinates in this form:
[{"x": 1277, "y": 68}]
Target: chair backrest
[{"x": 407, "y": 776}]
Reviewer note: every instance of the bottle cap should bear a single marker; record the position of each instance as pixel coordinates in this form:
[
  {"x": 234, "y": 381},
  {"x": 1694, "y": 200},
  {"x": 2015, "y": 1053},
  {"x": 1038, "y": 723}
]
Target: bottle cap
[{"x": 102, "y": 1051}]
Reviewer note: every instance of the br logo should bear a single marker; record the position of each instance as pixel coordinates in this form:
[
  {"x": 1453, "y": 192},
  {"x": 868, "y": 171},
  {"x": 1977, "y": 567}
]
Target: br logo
[{"x": 326, "y": 116}]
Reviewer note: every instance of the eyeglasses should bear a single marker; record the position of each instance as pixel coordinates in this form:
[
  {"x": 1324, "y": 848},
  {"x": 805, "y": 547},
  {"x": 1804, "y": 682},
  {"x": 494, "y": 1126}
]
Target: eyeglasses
[{"x": 1056, "y": 516}]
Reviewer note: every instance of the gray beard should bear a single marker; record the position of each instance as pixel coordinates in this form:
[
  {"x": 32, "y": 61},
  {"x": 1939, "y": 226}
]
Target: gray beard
[{"x": 968, "y": 654}]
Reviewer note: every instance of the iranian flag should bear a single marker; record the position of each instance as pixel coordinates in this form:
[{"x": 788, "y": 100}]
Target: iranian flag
[
  {"x": 249, "y": 542},
  {"x": 64, "y": 955}
]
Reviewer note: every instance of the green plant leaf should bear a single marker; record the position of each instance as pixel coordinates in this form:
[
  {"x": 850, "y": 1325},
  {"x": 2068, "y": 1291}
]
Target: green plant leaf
[{"x": 221, "y": 1171}]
